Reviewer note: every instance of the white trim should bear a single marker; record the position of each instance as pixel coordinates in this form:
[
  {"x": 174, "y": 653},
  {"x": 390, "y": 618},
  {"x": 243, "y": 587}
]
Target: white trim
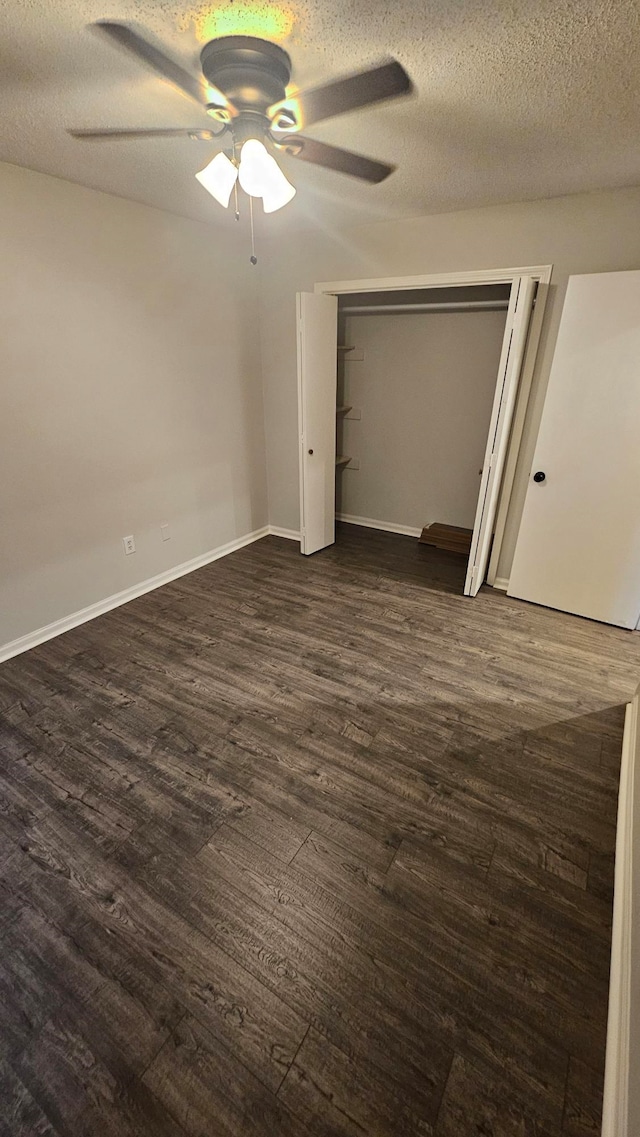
[
  {"x": 618, "y": 1067},
  {"x": 58, "y": 627},
  {"x": 386, "y": 526},
  {"x": 501, "y": 583},
  {"x": 290, "y": 534},
  {"x": 438, "y": 280},
  {"x": 299, "y": 349}
]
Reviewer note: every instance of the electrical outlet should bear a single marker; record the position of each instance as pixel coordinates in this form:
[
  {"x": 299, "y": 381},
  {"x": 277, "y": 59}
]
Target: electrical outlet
[
  {"x": 129, "y": 545},
  {"x": 164, "y": 531}
]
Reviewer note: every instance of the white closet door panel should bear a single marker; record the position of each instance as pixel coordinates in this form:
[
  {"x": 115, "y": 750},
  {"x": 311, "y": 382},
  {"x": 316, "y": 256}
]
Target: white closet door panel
[
  {"x": 513, "y": 346},
  {"x": 578, "y": 547},
  {"x": 317, "y": 379}
]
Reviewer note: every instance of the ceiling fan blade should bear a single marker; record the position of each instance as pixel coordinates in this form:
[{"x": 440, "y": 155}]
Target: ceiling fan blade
[
  {"x": 164, "y": 132},
  {"x": 124, "y": 36},
  {"x": 334, "y": 158},
  {"x": 168, "y": 132},
  {"x": 386, "y": 81}
]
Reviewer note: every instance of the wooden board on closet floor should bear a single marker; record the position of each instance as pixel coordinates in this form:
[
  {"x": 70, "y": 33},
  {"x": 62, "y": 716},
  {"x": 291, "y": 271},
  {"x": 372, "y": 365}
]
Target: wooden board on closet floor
[{"x": 449, "y": 537}]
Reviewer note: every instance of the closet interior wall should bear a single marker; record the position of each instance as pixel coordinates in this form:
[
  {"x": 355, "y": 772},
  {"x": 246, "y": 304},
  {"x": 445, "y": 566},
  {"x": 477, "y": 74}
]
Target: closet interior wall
[{"x": 420, "y": 386}]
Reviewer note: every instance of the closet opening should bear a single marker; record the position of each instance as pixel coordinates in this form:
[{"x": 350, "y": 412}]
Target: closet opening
[
  {"x": 406, "y": 406},
  {"x": 416, "y": 376}
]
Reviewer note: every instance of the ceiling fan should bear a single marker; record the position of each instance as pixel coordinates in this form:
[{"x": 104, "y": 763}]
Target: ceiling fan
[{"x": 243, "y": 88}]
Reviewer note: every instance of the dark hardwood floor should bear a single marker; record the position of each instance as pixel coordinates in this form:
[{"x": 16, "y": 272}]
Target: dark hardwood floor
[{"x": 307, "y": 847}]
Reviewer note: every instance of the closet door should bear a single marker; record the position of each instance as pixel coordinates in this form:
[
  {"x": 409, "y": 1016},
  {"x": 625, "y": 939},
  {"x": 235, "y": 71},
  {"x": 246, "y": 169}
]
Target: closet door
[
  {"x": 317, "y": 379},
  {"x": 578, "y": 547},
  {"x": 513, "y": 347}
]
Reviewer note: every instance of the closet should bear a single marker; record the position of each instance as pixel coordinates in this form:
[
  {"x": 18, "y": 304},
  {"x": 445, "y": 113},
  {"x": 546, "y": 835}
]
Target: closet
[
  {"x": 415, "y": 384},
  {"x": 406, "y": 400}
]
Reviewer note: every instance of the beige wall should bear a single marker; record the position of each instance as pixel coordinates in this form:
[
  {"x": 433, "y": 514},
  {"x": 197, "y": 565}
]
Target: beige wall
[
  {"x": 130, "y": 388},
  {"x": 425, "y": 390},
  {"x": 130, "y": 395},
  {"x": 584, "y": 233}
]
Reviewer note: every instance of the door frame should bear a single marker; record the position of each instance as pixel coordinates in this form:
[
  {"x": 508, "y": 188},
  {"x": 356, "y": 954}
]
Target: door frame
[{"x": 541, "y": 274}]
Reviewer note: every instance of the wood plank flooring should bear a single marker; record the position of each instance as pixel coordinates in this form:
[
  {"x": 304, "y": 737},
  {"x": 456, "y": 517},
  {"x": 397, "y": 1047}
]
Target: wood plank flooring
[{"x": 310, "y": 847}]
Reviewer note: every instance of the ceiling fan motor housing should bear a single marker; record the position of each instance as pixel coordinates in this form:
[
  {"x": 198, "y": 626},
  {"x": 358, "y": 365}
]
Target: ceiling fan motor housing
[{"x": 251, "y": 73}]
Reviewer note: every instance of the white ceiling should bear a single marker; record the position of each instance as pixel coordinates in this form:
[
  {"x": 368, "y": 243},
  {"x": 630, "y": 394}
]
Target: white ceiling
[{"x": 515, "y": 100}]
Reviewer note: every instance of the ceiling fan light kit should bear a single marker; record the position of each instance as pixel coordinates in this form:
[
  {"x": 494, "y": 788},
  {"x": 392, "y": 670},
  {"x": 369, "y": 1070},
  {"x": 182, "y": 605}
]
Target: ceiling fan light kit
[
  {"x": 244, "y": 90},
  {"x": 258, "y": 173}
]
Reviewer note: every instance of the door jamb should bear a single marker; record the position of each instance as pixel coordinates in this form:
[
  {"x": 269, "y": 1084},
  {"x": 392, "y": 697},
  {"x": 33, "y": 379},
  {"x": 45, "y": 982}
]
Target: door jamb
[{"x": 539, "y": 273}]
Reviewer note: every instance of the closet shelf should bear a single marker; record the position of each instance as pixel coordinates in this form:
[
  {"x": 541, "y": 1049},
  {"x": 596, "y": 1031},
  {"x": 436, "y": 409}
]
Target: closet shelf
[
  {"x": 342, "y": 460},
  {"x": 343, "y": 410}
]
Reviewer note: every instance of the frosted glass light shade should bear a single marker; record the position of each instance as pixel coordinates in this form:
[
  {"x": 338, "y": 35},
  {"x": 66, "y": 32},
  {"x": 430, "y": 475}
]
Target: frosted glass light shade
[
  {"x": 219, "y": 178},
  {"x": 261, "y": 176},
  {"x": 278, "y": 192},
  {"x": 254, "y": 166}
]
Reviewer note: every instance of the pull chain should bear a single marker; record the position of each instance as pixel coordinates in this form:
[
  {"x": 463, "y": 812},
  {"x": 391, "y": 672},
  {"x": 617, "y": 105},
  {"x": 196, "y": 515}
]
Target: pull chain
[{"x": 253, "y": 258}]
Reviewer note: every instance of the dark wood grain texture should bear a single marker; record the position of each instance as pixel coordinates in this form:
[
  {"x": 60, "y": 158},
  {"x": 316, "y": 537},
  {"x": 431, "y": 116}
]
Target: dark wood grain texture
[{"x": 310, "y": 847}]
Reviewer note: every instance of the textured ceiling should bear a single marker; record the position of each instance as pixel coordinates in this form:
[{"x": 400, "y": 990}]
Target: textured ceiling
[{"x": 514, "y": 99}]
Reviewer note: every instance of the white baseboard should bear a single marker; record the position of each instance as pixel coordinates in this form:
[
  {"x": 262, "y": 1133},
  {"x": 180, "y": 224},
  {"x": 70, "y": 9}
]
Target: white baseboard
[
  {"x": 621, "y": 1065},
  {"x": 386, "y": 526},
  {"x": 290, "y": 534},
  {"x": 501, "y": 582},
  {"x": 40, "y": 635}
]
